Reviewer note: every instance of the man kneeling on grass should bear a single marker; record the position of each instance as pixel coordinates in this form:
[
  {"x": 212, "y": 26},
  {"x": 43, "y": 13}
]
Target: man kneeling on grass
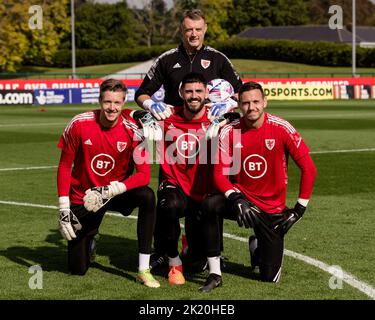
[
  {"x": 104, "y": 146},
  {"x": 257, "y": 146}
]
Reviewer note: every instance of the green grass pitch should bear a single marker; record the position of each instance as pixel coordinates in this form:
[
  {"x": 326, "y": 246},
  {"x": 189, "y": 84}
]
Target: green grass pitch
[{"x": 337, "y": 230}]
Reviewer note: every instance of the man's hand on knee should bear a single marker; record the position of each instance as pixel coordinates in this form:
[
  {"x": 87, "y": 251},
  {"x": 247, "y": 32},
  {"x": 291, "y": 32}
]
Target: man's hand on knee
[
  {"x": 245, "y": 210},
  {"x": 97, "y": 197},
  {"x": 290, "y": 218}
]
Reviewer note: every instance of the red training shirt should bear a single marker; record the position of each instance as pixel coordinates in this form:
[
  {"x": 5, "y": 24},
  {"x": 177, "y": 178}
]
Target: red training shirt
[
  {"x": 259, "y": 158},
  {"x": 184, "y": 155},
  {"x": 100, "y": 155}
]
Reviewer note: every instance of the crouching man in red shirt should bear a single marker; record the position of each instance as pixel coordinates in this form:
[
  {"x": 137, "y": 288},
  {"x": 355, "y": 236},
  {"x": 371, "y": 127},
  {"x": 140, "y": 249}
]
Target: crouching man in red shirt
[
  {"x": 99, "y": 151},
  {"x": 250, "y": 171}
]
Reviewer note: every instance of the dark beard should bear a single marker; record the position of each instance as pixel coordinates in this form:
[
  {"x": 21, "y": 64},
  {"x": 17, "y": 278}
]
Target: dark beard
[{"x": 195, "y": 111}]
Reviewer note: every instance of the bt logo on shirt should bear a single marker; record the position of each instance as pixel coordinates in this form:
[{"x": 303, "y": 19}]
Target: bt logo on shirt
[
  {"x": 188, "y": 145},
  {"x": 102, "y": 164},
  {"x": 255, "y": 166}
]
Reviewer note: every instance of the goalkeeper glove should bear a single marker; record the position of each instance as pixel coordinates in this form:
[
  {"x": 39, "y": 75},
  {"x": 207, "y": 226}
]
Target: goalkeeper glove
[
  {"x": 68, "y": 222},
  {"x": 151, "y": 128},
  {"x": 219, "y": 108},
  {"x": 159, "y": 110},
  {"x": 97, "y": 197},
  {"x": 245, "y": 210},
  {"x": 219, "y": 122},
  {"x": 291, "y": 216}
]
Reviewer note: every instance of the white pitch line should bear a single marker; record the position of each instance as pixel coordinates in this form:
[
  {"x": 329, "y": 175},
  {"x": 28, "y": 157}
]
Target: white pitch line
[
  {"x": 28, "y": 168},
  {"x": 313, "y": 152},
  {"x": 347, "y": 277},
  {"x": 32, "y": 124},
  {"x": 343, "y": 151},
  {"x": 26, "y": 204}
]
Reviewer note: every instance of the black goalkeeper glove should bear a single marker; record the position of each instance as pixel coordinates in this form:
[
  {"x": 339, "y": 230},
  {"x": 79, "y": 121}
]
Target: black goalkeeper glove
[
  {"x": 245, "y": 210},
  {"x": 138, "y": 114},
  {"x": 231, "y": 116},
  {"x": 291, "y": 216}
]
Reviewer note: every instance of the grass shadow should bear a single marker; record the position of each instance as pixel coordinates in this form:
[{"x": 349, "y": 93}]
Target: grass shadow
[
  {"x": 121, "y": 252},
  {"x": 232, "y": 268},
  {"x": 199, "y": 278}
]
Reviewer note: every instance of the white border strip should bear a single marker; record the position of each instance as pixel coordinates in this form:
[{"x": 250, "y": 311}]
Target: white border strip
[{"x": 347, "y": 277}]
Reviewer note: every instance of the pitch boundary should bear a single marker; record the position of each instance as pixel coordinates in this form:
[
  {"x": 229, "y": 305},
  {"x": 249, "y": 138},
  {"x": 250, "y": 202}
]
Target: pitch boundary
[
  {"x": 28, "y": 168},
  {"x": 10, "y": 125},
  {"x": 313, "y": 152},
  {"x": 346, "y": 277},
  {"x": 343, "y": 151}
]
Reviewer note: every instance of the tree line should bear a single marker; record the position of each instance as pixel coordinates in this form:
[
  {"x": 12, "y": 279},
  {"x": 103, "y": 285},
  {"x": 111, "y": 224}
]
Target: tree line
[{"x": 104, "y": 26}]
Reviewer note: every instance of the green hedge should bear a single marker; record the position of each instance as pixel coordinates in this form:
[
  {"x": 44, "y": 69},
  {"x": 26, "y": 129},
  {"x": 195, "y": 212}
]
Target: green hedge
[
  {"x": 313, "y": 53},
  {"x": 89, "y": 57}
]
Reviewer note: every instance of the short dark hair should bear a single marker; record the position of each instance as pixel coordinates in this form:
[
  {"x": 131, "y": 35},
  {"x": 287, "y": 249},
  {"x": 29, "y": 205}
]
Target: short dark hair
[
  {"x": 248, "y": 86},
  {"x": 193, "y": 14},
  {"x": 193, "y": 77},
  {"x": 112, "y": 85}
]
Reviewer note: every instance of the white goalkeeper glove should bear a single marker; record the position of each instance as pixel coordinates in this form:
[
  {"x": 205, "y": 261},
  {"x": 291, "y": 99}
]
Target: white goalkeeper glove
[
  {"x": 97, "y": 197},
  {"x": 214, "y": 127},
  {"x": 219, "y": 108},
  {"x": 68, "y": 222},
  {"x": 219, "y": 122},
  {"x": 159, "y": 110},
  {"x": 151, "y": 128}
]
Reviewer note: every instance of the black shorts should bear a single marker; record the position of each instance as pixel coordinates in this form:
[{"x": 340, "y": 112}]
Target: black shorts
[
  {"x": 187, "y": 206},
  {"x": 174, "y": 204},
  {"x": 270, "y": 242},
  {"x": 79, "y": 248}
]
